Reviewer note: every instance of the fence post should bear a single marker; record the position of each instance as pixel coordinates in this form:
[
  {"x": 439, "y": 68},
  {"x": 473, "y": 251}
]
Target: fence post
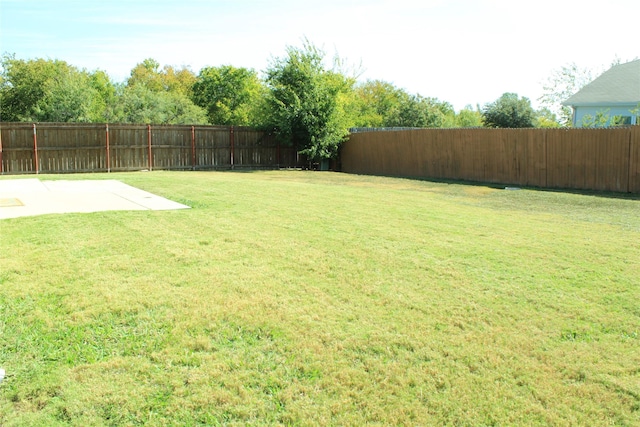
[
  {"x": 108, "y": 149},
  {"x": 1, "y": 163},
  {"x": 630, "y": 163},
  {"x": 35, "y": 150},
  {"x": 149, "y": 148},
  {"x": 193, "y": 148},
  {"x": 546, "y": 158},
  {"x": 231, "y": 137}
]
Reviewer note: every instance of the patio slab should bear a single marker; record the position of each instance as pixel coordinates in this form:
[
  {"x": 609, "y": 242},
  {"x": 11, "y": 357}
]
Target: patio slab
[{"x": 29, "y": 197}]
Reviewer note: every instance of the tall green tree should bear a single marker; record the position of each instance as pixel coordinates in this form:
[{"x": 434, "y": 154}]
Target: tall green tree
[
  {"x": 70, "y": 98},
  {"x": 109, "y": 95},
  {"x": 53, "y": 91},
  {"x": 377, "y": 101},
  {"x": 24, "y": 86},
  {"x": 306, "y": 102},
  {"x": 231, "y": 96},
  {"x": 418, "y": 111},
  {"x": 166, "y": 79},
  {"x": 139, "y": 104},
  {"x": 545, "y": 118},
  {"x": 509, "y": 111},
  {"x": 381, "y": 104},
  {"x": 469, "y": 118},
  {"x": 159, "y": 95}
]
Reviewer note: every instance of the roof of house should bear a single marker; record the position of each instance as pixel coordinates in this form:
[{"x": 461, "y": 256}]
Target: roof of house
[{"x": 618, "y": 86}]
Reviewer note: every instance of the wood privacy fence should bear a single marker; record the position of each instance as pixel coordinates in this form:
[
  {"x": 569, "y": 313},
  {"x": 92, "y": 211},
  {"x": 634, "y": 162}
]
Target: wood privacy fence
[
  {"x": 69, "y": 147},
  {"x": 591, "y": 159}
]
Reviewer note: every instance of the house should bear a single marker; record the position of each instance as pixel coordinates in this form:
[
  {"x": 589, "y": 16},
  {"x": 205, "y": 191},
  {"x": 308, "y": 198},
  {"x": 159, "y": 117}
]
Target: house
[{"x": 615, "y": 94}]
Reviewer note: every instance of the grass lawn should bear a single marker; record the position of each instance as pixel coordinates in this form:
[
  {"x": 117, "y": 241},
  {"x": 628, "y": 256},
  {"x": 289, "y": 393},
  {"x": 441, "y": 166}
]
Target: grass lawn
[{"x": 311, "y": 298}]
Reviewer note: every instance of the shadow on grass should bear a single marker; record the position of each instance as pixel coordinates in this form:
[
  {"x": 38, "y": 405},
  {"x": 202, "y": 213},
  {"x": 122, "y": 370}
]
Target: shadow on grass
[{"x": 511, "y": 187}]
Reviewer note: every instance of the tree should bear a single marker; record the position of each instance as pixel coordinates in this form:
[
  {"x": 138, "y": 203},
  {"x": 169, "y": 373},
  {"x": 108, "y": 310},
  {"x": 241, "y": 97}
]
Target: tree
[
  {"x": 168, "y": 79},
  {"x": 179, "y": 80},
  {"x": 421, "y": 112},
  {"x": 147, "y": 74},
  {"x": 546, "y": 119},
  {"x": 53, "y": 91},
  {"x": 231, "y": 96},
  {"x": 306, "y": 103},
  {"x": 139, "y": 104},
  {"x": 24, "y": 86},
  {"x": 602, "y": 119},
  {"x": 381, "y": 104},
  {"x": 162, "y": 96},
  {"x": 109, "y": 95},
  {"x": 376, "y": 102},
  {"x": 469, "y": 118},
  {"x": 509, "y": 111},
  {"x": 70, "y": 98},
  {"x": 563, "y": 83}
]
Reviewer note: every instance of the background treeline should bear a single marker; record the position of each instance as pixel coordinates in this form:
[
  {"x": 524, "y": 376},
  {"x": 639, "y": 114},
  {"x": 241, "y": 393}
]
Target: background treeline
[
  {"x": 46, "y": 90},
  {"x": 304, "y": 99}
]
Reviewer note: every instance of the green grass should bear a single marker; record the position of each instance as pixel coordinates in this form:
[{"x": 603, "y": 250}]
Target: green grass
[{"x": 309, "y": 298}]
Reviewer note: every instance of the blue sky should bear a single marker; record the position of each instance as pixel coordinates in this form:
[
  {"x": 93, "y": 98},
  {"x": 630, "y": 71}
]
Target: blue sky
[{"x": 460, "y": 51}]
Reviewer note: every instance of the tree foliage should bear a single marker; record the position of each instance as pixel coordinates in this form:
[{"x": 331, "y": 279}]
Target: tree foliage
[
  {"x": 545, "y": 118},
  {"x": 231, "y": 96},
  {"x": 159, "y": 95},
  {"x": 509, "y": 111},
  {"x": 469, "y": 118},
  {"x": 138, "y": 104},
  {"x": 70, "y": 98},
  {"x": 377, "y": 102},
  {"x": 418, "y": 111},
  {"x": 53, "y": 91},
  {"x": 381, "y": 104},
  {"x": 166, "y": 79},
  {"x": 563, "y": 83},
  {"x": 306, "y": 102},
  {"x": 600, "y": 120}
]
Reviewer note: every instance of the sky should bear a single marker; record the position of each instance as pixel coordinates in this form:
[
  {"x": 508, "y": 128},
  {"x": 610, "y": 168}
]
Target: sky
[{"x": 465, "y": 52}]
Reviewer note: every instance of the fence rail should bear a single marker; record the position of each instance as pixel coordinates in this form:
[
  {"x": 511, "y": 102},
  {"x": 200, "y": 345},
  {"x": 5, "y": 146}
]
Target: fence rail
[
  {"x": 69, "y": 147},
  {"x": 585, "y": 159}
]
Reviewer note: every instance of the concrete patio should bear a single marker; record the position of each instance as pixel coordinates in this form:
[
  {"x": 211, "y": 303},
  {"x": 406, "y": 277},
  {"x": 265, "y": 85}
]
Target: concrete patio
[{"x": 29, "y": 197}]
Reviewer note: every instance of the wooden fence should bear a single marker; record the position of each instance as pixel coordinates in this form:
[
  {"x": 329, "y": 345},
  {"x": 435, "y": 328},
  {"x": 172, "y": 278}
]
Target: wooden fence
[
  {"x": 591, "y": 159},
  {"x": 585, "y": 159},
  {"x": 69, "y": 147}
]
